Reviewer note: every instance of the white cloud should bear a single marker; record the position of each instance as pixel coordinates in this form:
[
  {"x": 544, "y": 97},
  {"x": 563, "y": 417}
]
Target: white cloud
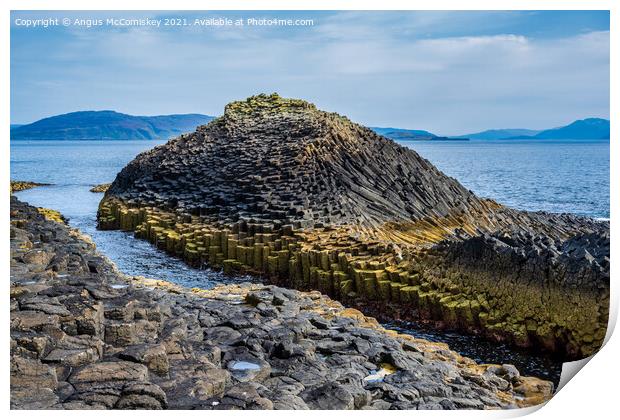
[{"x": 376, "y": 69}]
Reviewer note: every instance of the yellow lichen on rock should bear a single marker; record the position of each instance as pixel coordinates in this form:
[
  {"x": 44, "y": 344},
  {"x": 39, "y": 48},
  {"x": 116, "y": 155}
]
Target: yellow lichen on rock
[
  {"x": 53, "y": 215},
  {"x": 16, "y": 186}
]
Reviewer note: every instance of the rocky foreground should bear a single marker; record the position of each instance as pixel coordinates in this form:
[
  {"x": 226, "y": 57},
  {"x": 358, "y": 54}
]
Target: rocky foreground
[
  {"x": 85, "y": 336},
  {"x": 310, "y": 200}
]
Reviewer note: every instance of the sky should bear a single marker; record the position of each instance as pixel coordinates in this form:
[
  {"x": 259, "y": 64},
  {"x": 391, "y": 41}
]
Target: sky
[{"x": 446, "y": 72}]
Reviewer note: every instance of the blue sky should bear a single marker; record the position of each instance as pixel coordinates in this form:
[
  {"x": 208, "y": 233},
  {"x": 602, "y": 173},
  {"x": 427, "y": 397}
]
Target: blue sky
[{"x": 446, "y": 72}]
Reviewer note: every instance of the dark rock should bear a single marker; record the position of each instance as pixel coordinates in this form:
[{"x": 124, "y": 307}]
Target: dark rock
[
  {"x": 108, "y": 374},
  {"x": 154, "y": 356},
  {"x": 330, "y": 396}
]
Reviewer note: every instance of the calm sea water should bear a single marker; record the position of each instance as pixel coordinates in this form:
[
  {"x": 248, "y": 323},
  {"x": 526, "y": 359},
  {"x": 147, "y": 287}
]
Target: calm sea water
[
  {"x": 559, "y": 176},
  {"x": 73, "y": 167},
  {"x": 556, "y": 176}
]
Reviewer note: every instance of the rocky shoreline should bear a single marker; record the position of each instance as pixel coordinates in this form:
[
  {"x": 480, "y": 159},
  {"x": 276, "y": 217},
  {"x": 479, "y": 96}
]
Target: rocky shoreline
[
  {"x": 16, "y": 186},
  {"x": 83, "y": 335},
  {"x": 312, "y": 201}
]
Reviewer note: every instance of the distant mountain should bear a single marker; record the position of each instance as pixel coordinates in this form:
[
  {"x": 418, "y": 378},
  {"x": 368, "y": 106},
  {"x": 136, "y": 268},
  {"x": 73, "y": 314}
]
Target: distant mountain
[
  {"x": 500, "y": 134},
  {"x": 404, "y": 134},
  {"x": 108, "y": 125},
  {"x": 15, "y": 125},
  {"x": 589, "y": 128}
]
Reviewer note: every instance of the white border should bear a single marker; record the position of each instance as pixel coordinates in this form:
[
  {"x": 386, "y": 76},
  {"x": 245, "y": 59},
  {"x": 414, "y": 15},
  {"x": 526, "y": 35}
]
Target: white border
[{"x": 591, "y": 395}]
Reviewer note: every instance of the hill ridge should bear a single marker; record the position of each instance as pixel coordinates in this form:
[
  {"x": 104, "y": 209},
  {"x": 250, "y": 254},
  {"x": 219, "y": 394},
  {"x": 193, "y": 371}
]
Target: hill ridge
[
  {"x": 108, "y": 125},
  {"x": 586, "y": 128}
]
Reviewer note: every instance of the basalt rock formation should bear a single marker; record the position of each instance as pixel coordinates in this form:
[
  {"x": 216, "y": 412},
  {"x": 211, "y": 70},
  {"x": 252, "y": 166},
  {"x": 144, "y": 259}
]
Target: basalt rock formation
[
  {"x": 312, "y": 200},
  {"x": 85, "y": 336},
  {"x": 273, "y": 159}
]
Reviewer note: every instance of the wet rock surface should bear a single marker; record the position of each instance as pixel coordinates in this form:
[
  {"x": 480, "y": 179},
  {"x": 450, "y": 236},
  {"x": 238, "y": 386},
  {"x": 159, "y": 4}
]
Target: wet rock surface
[
  {"x": 310, "y": 200},
  {"x": 85, "y": 336}
]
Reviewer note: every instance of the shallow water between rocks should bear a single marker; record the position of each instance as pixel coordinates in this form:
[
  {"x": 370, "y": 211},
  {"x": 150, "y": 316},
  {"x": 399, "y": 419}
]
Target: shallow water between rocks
[{"x": 74, "y": 166}]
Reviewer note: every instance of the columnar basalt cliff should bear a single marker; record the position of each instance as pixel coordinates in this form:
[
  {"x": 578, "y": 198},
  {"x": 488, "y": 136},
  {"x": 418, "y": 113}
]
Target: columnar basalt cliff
[
  {"x": 310, "y": 200},
  {"x": 85, "y": 336}
]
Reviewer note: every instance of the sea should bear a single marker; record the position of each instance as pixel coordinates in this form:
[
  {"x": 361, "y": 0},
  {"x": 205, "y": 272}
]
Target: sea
[{"x": 561, "y": 176}]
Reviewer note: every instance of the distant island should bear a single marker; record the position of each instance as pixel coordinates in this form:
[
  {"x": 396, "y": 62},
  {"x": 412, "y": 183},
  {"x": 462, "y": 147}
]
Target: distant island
[
  {"x": 501, "y": 134},
  {"x": 108, "y": 125},
  {"x": 589, "y": 128},
  {"x": 403, "y": 134}
]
